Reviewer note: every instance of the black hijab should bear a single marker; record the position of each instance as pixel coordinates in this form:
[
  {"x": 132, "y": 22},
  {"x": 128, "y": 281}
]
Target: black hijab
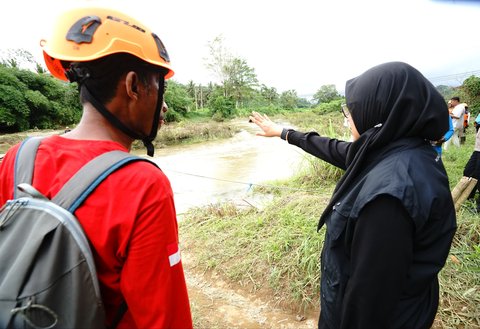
[{"x": 388, "y": 102}]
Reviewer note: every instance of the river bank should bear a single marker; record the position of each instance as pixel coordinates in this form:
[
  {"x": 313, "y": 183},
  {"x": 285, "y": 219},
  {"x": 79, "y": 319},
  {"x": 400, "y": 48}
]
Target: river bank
[{"x": 194, "y": 131}]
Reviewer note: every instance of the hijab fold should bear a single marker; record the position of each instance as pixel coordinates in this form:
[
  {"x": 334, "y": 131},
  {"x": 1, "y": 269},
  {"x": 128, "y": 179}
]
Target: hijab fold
[{"x": 403, "y": 101}]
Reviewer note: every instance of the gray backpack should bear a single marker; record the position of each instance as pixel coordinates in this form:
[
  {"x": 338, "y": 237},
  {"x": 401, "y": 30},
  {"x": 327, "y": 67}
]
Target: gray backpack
[{"x": 47, "y": 271}]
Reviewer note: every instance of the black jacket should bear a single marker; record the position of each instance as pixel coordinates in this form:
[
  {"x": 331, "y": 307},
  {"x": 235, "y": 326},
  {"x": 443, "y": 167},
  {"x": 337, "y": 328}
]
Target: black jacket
[{"x": 387, "y": 237}]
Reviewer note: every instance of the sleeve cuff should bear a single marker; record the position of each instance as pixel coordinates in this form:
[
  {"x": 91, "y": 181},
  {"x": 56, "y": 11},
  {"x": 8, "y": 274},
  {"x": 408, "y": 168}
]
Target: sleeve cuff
[{"x": 285, "y": 133}]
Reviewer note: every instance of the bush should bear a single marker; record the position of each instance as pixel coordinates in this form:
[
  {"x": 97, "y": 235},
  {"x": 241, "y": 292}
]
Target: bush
[
  {"x": 14, "y": 112},
  {"x": 333, "y": 106},
  {"x": 31, "y": 100}
]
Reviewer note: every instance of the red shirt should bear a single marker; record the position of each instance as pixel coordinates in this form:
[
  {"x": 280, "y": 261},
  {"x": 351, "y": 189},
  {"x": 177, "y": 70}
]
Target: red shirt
[{"x": 130, "y": 221}]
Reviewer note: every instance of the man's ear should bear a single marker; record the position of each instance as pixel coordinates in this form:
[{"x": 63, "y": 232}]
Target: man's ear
[{"x": 131, "y": 85}]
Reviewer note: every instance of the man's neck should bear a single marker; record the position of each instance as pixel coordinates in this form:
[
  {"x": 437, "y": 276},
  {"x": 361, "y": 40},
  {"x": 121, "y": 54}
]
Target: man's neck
[{"x": 93, "y": 126}]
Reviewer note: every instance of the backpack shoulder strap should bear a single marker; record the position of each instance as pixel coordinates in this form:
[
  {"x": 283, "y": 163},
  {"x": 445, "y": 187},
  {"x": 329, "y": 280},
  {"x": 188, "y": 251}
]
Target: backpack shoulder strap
[
  {"x": 84, "y": 182},
  {"x": 24, "y": 162},
  {"x": 79, "y": 187}
]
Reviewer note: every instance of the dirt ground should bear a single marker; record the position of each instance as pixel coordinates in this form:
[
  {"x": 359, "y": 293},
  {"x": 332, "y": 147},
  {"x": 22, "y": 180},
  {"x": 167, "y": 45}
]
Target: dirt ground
[{"x": 219, "y": 305}]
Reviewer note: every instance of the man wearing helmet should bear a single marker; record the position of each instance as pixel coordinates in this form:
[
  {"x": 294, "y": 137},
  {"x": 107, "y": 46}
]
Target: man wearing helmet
[{"x": 120, "y": 67}]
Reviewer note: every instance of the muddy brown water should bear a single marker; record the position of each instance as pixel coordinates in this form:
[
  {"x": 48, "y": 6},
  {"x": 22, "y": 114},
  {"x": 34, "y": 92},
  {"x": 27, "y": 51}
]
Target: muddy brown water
[{"x": 212, "y": 172}]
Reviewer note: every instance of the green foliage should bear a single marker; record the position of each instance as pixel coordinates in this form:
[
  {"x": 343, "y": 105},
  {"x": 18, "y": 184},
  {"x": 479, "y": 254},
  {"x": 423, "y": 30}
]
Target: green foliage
[
  {"x": 14, "y": 111},
  {"x": 471, "y": 87},
  {"x": 281, "y": 240},
  {"x": 332, "y": 106},
  {"x": 42, "y": 110},
  {"x": 288, "y": 100},
  {"x": 269, "y": 94},
  {"x": 8, "y": 78},
  {"x": 222, "y": 106},
  {"x": 31, "y": 100},
  {"x": 241, "y": 81},
  {"x": 325, "y": 94},
  {"x": 178, "y": 100}
]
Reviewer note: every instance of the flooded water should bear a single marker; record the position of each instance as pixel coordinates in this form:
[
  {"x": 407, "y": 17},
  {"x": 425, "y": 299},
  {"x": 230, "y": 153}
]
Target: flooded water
[{"x": 208, "y": 173}]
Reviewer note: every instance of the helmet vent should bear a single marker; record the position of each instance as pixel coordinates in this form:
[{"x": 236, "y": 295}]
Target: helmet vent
[
  {"x": 162, "y": 51},
  {"x": 82, "y": 31}
]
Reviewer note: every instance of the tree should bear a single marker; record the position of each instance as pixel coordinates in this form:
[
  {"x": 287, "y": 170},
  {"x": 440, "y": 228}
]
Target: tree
[
  {"x": 233, "y": 73},
  {"x": 193, "y": 93},
  {"x": 471, "y": 87},
  {"x": 325, "y": 94},
  {"x": 288, "y": 100},
  {"x": 220, "y": 60},
  {"x": 221, "y": 106},
  {"x": 178, "y": 100},
  {"x": 29, "y": 99},
  {"x": 14, "y": 111},
  {"x": 269, "y": 94},
  {"x": 241, "y": 79}
]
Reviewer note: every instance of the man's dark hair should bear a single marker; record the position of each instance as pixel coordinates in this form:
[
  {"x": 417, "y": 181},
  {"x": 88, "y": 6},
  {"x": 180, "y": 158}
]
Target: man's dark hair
[
  {"x": 104, "y": 74},
  {"x": 455, "y": 99}
]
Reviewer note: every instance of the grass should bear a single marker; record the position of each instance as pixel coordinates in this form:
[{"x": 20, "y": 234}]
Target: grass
[
  {"x": 276, "y": 250},
  {"x": 460, "y": 278},
  {"x": 278, "y": 246}
]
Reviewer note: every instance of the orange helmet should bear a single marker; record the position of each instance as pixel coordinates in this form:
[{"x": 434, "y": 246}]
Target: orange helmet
[{"x": 86, "y": 34}]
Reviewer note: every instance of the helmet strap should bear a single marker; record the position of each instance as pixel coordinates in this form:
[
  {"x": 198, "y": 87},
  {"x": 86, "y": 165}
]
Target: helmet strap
[
  {"x": 147, "y": 141},
  {"x": 108, "y": 115}
]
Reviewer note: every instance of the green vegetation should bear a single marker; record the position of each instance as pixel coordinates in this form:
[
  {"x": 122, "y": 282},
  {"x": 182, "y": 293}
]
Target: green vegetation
[
  {"x": 29, "y": 100},
  {"x": 276, "y": 250}
]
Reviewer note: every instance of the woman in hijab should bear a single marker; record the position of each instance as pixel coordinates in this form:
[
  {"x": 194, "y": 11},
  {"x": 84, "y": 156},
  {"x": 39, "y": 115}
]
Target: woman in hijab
[{"x": 391, "y": 219}]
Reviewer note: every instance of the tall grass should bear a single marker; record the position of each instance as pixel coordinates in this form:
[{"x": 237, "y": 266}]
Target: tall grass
[{"x": 460, "y": 278}]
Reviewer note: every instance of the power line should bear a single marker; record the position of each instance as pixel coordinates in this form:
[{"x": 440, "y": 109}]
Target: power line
[
  {"x": 244, "y": 183},
  {"x": 456, "y": 76}
]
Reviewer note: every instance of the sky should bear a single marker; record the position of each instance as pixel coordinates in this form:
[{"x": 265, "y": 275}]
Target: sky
[{"x": 296, "y": 45}]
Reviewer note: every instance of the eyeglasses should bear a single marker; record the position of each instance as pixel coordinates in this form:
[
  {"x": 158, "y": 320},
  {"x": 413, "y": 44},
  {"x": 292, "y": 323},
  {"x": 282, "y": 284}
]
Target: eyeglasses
[{"x": 345, "y": 111}]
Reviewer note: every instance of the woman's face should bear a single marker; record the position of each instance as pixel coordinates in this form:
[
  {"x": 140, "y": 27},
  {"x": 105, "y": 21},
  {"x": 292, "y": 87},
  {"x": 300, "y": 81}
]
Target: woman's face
[
  {"x": 353, "y": 128},
  {"x": 351, "y": 125}
]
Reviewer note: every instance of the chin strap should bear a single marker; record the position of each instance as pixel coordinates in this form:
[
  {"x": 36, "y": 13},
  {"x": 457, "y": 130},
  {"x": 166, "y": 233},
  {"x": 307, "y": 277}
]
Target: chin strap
[{"x": 147, "y": 140}]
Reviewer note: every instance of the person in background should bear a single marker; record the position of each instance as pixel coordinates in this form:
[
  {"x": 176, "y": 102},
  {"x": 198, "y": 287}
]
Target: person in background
[
  {"x": 391, "y": 219},
  {"x": 466, "y": 123},
  {"x": 437, "y": 145},
  {"x": 476, "y": 123},
  {"x": 120, "y": 67},
  {"x": 457, "y": 120}
]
